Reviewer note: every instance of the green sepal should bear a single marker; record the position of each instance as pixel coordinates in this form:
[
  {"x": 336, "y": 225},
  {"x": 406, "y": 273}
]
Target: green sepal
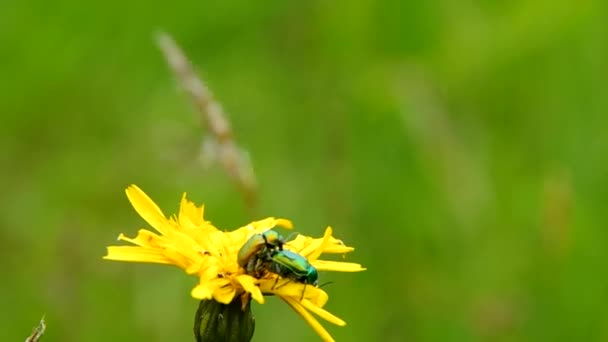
[{"x": 217, "y": 322}]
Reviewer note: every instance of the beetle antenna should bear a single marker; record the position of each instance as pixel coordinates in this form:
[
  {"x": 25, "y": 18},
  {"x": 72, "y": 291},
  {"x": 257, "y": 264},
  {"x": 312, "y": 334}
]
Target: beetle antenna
[
  {"x": 329, "y": 282},
  {"x": 291, "y": 236}
]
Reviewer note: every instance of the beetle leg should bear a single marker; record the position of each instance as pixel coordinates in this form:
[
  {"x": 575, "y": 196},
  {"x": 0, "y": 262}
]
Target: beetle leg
[
  {"x": 275, "y": 283},
  {"x": 285, "y": 283},
  {"x": 251, "y": 269}
]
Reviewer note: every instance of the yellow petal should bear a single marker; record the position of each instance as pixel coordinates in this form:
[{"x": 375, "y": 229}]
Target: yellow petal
[
  {"x": 326, "y": 315},
  {"x": 147, "y": 209},
  {"x": 177, "y": 257},
  {"x": 190, "y": 215},
  {"x": 184, "y": 244},
  {"x": 317, "y": 252},
  {"x": 298, "y": 243},
  {"x": 201, "y": 291},
  {"x": 215, "y": 243},
  {"x": 224, "y": 291},
  {"x": 290, "y": 288},
  {"x": 316, "y": 296},
  {"x": 261, "y": 226},
  {"x": 285, "y": 223},
  {"x": 336, "y": 248},
  {"x": 337, "y": 266},
  {"x": 137, "y": 254},
  {"x": 195, "y": 267},
  {"x": 144, "y": 238},
  {"x": 309, "y": 245},
  {"x": 312, "y": 322},
  {"x": 248, "y": 283},
  {"x": 199, "y": 234}
]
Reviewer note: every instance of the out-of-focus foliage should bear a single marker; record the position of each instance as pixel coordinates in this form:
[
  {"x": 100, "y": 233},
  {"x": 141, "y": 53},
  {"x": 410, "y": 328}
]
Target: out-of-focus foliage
[{"x": 460, "y": 146}]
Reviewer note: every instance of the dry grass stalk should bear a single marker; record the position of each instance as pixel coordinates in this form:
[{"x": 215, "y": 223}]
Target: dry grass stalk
[
  {"x": 220, "y": 144},
  {"x": 37, "y": 332}
]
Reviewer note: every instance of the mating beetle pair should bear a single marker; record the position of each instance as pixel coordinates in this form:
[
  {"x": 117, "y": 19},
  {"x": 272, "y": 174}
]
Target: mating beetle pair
[{"x": 264, "y": 252}]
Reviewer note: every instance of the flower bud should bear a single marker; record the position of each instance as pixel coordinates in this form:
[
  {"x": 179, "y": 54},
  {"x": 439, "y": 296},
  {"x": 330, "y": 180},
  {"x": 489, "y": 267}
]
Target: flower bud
[{"x": 217, "y": 322}]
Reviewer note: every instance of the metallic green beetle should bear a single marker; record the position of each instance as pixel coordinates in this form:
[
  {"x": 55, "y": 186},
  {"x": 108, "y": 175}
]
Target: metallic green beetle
[
  {"x": 257, "y": 250},
  {"x": 291, "y": 265}
]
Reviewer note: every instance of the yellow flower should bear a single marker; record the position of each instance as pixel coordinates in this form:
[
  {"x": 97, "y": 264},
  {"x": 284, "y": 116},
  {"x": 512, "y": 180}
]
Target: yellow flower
[{"x": 195, "y": 245}]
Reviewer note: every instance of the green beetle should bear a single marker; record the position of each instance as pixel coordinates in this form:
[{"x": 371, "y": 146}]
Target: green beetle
[
  {"x": 291, "y": 265},
  {"x": 258, "y": 249}
]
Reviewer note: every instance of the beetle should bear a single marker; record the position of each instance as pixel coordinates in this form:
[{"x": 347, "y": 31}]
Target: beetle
[
  {"x": 258, "y": 249},
  {"x": 292, "y": 265}
]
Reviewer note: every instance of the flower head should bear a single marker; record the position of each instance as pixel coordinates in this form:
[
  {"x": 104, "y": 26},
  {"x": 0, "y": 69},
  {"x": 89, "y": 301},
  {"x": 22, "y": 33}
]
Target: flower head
[{"x": 195, "y": 245}]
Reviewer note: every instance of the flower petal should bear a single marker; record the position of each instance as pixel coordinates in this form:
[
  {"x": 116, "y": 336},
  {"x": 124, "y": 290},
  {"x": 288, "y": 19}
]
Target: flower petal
[
  {"x": 317, "y": 252},
  {"x": 177, "y": 258},
  {"x": 305, "y": 245},
  {"x": 190, "y": 216},
  {"x": 144, "y": 238},
  {"x": 261, "y": 226},
  {"x": 201, "y": 291},
  {"x": 137, "y": 254},
  {"x": 336, "y": 248},
  {"x": 337, "y": 266},
  {"x": 224, "y": 291},
  {"x": 248, "y": 283},
  {"x": 312, "y": 322},
  {"x": 147, "y": 209},
  {"x": 290, "y": 288},
  {"x": 326, "y": 315},
  {"x": 285, "y": 223}
]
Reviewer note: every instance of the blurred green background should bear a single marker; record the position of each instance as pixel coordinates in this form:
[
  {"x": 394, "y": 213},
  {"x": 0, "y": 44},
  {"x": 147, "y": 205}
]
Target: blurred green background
[{"x": 461, "y": 147}]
